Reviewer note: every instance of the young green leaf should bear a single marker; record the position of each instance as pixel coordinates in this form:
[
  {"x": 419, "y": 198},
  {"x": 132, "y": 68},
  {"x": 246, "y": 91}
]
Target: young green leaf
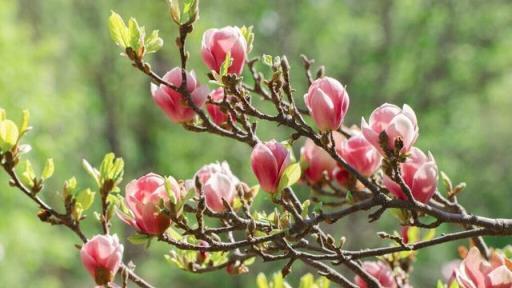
[
  {"x": 267, "y": 60},
  {"x": 291, "y": 175},
  {"x": 28, "y": 174},
  {"x": 153, "y": 42},
  {"x": 139, "y": 239},
  {"x": 9, "y": 135},
  {"x": 261, "y": 281},
  {"x": 226, "y": 64},
  {"x": 118, "y": 30},
  {"x": 174, "y": 11},
  {"x": 307, "y": 281},
  {"x": 85, "y": 198},
  {"x": 135, "y": 34},
  {"x": 48, "y": 169},
  {"x": 25, "y": 122}
]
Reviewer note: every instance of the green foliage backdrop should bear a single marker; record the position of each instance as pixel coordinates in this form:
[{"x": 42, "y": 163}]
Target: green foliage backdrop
[{"x": 450, "y": 60}]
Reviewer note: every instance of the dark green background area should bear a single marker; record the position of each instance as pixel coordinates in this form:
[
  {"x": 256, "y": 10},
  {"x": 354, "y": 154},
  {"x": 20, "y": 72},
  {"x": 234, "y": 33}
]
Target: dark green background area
[{"x": 450, "y": 60}]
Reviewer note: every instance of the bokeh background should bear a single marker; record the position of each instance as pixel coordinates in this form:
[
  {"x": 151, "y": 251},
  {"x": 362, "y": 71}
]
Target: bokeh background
[{"x": 450, "y": 60}]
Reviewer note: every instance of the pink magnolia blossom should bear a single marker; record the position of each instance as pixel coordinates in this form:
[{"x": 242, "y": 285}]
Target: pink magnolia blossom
[
  {"x": 380, "y": 271},
  {"x": 218, "y": 116},
  {"x": 476, "y": 272},
  {"x": 173, "y": 103},
  {"x": 327, "y": 101},
  {"x": 419, "y": 173},
  {"x": 143, "y": 197},
  {"x": 218, "y": 182},
  {"x": 360, "y": 155},
  {"x": 395, "y": 122},
  {"x": 268, "y": 161},
  {"x": 102, "y": 256},
  {"x": 342, "y": 176},
  {"x": 217, "y": 43},
  {"x": 317, "y": 162}
]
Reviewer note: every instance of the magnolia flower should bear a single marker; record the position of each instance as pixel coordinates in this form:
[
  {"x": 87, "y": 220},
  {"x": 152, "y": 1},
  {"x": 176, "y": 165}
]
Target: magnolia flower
[
  {"x": 143, "y": 197},
  {"x": 102, "y": 256},
  {"x": 395, "y": 122},
  {"x": 380, "y": 271},
  {"x": 218, "y": 116},
  {"x": 360, "y": 155},
  {"x": 216, "y": 45},
  {"x": 268, "y": 161},
  {"x": 327, "y": 101},
  {"x": 419, "y": 173},
  {"x": 218, "y": 182},
  {"x": 173, "y": 103},
  {"x": 476, "y": 272}
]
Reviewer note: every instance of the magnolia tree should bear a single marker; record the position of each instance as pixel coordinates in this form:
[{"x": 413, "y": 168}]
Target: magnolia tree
[{"x": 208, "y": 220}]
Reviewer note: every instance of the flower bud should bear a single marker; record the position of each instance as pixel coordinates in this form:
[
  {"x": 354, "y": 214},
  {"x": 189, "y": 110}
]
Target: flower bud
[
  {"x": 268, "y": 161},
  {"x": 360, "y": 155},
  {"x": 475, "y": 271},
  {"x": 102, "y": 256},
  {"x": 419, "y": 173},
  {"x": 172, "y": 102},
  {"x": 327, "y": 101},
  {"x": 318, "y": 162},
  {"x": 343, "y": 177},
  {"x": 217, "y": 43},
  {"x": 143, "y": 198},
  {"x": 396, "y": 123},
  {"x": 218, "y": 116},
  {"x": 380, "y": 271},
  {"x": 218, "y": 182}
]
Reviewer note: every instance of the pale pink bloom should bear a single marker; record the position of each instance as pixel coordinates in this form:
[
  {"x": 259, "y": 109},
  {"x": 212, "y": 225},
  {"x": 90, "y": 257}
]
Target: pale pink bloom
[
  {"x": 143, "y": 197},
  {"x": 476, "y": 272},
  {"x": 419, "y": 173},
  {"x": 327, "y": 101},
  {"x": 218, "y": 116},
  {"x": 102, "y": 256},
  {"x": 317, "y": 162},
  {"x": 268, "y": 161},
  {"x": 173, "y": 103},
  {"x": 380, "y": 271},
  {"x": 395, "y": 122},
  {"x": 360, "y": 155},
  {"x": 218, "y": 182},
  {"x": 218, "y": 42}
]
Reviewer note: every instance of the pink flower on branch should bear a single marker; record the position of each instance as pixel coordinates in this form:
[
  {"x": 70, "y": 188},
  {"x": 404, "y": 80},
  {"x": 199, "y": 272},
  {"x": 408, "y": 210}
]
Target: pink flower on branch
[
  {"x": 396, "y": 123},
  {"x": 268, "y": 161},
  {"x": 143, "y": 199},
  {"x": 173, "y": 103},
  {"x": 217, "y": 182},
  {"x": 360, "y": 155},
  {"x": 102, "y": 256},
  {"x": 327, "y": 101},
  {"x": 218, "y": 43},
  {"x": 380, "y": 271},
  {"x": 476, "y": 272},
  {"x": 419, "y": 173},
  {"x": 218, "y": 116}
]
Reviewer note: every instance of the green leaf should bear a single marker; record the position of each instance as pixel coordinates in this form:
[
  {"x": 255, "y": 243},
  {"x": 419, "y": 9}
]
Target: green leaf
[
  {"x": 153, "y": 42},
  {"x": 267, "y": 60},
  {"x": 249, "y": 261},
  {"x": 9, "y": 135},
  {"x": 307, "y": 281},
  {"x": 25, "y": 122},
  {"x": 85, "y": 198},
  {"x": 261, "y": 281},
  {"x": 91, "y": 171},
  {"x": 447, "y": 182},
  {"x": 48, "y": 169},
  {"x": 454, "y": 284},
  {"x": 431, "y": 233},
  {"x": 226, "y": 64},
  {"x": 305, "y": 208},
  {"x": 139, "y": 239},
  {"x": 278, "y": 281},
  {"x": 173, "y": 234},
  {"x": 187, "y": 4},
  {"x": 249, "y": 37},
  {"x": 106, "y": 165},
  {"x": 439, "y": 284},
  {"x": 28, "y": 174},
  {"x": 170, "y": 192},
  {"x": 291, "y": 175},
  {"x": 322, "y": 282},
  {"x": 70, "y": 186},
  {"x": 135, "y": 34},
  {"x": 174, "y": 11},
  {"x": 118, "y": 30}
]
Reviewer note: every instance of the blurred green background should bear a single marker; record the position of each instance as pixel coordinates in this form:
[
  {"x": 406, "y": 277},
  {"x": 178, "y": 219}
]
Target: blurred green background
[{"x": 450, "y": 60}]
